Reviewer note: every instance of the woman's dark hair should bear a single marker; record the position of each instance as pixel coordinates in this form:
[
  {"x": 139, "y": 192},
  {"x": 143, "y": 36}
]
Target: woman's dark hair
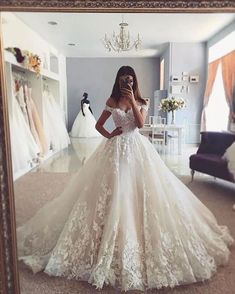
[{"x": 116, "y": 93}]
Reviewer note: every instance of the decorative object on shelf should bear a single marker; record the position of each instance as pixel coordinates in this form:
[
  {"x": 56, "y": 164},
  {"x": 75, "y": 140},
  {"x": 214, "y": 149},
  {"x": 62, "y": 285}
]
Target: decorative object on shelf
[
  {"x": 175, "y": 79},
  {"x": 29, "y": 60},
  {"x": 194, "y": 79},
  {"x": 185, "y": 78},
  {"x": 17, "y": 53},
  {"x": 122, "y": 41},
  {"x": 170, "y": 105}
]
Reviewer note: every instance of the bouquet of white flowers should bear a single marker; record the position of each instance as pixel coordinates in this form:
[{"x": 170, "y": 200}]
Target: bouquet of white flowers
[{"x": 171, "y": 104}]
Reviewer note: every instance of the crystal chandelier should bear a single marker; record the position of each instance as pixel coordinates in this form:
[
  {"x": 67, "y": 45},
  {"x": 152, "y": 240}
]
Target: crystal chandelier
[{"x": 122, "y": 41}]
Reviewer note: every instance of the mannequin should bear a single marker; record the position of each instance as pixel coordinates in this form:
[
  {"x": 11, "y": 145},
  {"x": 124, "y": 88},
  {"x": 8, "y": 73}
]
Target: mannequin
[
  {"x": 84, "y": 124},
  {"x": 85, "y": 100}
]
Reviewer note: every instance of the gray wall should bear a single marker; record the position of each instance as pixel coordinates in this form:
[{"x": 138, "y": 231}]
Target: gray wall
[
  {"x": 96, "y": 76},
  {"x": 191, "y": 58}
]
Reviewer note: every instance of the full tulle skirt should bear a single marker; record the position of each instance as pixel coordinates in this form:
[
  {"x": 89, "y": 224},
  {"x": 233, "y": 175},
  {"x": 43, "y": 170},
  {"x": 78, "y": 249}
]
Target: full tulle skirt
[
  {"x": 84, "y": 126},
  {"x": 125, "y": 220}
]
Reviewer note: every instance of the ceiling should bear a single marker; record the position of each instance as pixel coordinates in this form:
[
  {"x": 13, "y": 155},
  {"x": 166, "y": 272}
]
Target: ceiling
[{"x": 86, "y": 30}]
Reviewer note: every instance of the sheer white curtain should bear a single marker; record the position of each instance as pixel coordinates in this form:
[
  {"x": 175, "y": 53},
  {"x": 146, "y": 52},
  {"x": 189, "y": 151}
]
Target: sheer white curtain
[{"x": 217, "y": 110}]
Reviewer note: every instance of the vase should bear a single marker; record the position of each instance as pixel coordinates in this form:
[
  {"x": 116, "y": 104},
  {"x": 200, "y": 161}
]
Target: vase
[{"x": 172, "y": 117}]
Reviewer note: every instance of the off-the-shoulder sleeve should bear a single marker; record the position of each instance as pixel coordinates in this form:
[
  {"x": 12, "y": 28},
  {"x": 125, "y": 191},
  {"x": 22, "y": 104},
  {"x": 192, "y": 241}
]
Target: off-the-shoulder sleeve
[
  {"x": 145, "y": 107},
  {"x": 108, "y": 108}
]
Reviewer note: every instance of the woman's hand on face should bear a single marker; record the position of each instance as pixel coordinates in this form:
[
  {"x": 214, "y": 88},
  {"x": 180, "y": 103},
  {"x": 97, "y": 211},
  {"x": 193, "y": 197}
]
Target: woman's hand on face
[
  {"x": 116, "y": 132},
  {"x": 128, "y": 93}
]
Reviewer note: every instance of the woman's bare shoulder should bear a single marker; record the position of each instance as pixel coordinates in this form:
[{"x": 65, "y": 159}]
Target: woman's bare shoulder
[{"x": 111, "y": 102}]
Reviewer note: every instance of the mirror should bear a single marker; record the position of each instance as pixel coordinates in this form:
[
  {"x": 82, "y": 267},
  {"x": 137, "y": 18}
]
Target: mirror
[{"x": 43, "y": 96}]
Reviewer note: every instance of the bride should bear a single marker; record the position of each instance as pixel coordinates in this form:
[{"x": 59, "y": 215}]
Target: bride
[{"x": 125, "y": 219}]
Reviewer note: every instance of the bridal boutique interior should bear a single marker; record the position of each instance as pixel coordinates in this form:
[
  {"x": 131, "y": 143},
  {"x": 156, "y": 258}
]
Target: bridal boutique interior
[{"x": 65, "y": 57}]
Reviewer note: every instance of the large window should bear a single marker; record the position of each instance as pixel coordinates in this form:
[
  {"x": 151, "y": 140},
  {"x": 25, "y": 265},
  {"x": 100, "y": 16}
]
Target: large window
[{"x": 217, "y": 111}]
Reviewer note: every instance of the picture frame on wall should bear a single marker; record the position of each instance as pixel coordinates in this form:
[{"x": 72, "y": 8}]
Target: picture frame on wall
[
  {"x": 185, "y": 76},
  {"x": 176, "y": 89}
]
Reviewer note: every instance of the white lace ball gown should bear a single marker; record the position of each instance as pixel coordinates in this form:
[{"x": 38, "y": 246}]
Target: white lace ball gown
[
  {"x": 54, "y": 125},
  {"x": 125, "y": 220},
  {"x": 84, "y": 126}
]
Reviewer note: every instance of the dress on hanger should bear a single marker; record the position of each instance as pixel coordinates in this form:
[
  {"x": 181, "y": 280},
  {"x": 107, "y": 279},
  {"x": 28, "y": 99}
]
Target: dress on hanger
[
  {"x": 84, "y": 126},
  {"x": 24, "y": 149},
  {"x": 125, "y": 220},
  {"x": 35, "y": 122},
  {"x": 29, "y": 107},
  {"x": 56, "y": 133},
  {"x": 21, "y": 100}
]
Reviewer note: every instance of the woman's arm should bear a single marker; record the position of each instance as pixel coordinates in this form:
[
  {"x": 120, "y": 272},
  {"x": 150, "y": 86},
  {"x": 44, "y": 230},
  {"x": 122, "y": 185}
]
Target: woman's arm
[
  {"x": 139, "y": 114},
  {"x": 101, "y": 121}
]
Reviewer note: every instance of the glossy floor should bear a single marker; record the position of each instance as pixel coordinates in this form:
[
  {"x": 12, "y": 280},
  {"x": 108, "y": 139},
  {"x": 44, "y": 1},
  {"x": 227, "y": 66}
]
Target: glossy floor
[{"x": 80, "y": 149}]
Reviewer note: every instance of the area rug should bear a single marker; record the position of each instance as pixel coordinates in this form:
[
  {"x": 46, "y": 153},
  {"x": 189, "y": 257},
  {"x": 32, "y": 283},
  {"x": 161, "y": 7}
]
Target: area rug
[{"x": 35, "y": 189}]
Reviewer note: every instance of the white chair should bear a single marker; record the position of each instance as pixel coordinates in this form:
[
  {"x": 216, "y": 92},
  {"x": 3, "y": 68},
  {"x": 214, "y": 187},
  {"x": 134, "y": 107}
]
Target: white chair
[
  {"x": 153, "y": 119},
  {"x": 157, "y": 135}
]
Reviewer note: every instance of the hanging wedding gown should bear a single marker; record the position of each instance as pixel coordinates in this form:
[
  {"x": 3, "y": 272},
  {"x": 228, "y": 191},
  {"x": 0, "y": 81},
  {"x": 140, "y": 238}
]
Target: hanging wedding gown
[
  {"x": 125, "y": 220},
  {"x": 24, "y": 149},
  {"x": 55, "y": 130},
  {"x": 84, "y": 126},
  {"x": 35, "y": 122},
  {"x": 20, "y": 98}
]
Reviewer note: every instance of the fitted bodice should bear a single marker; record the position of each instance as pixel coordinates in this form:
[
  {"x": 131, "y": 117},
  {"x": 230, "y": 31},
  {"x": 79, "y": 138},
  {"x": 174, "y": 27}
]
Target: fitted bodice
[
  {"x": 123, "y": 119},
  {"x": 85, "y": 106}
]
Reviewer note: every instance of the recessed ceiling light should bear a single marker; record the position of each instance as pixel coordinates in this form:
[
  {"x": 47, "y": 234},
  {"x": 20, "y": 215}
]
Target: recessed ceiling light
[
  {"x": 71, "y": 44},
  {"x": 53, "y": 23}
]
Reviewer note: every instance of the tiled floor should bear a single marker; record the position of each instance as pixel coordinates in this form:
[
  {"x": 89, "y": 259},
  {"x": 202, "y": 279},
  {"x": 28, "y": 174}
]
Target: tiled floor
[{"x": 73, "y": 157}]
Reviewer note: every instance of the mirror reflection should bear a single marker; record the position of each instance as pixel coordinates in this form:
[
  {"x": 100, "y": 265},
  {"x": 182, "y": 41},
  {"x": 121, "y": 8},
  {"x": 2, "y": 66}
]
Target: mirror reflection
[{"x": 89, "y": 190}]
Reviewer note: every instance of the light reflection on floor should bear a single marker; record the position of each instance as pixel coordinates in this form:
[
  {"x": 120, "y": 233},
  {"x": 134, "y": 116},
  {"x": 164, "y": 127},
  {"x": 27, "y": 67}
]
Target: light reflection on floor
[{"x": 72, "y": 158}]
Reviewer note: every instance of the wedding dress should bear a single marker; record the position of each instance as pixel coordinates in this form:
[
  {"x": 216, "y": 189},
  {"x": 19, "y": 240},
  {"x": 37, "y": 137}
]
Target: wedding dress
[
  {"x": 84, "y": 147},
  {"x": 84, "y": 126},
  {"x": 35, "y": 122},
  {"x": 125, "y": 220},
  {"x": 23, "y": 106},
  {"x": 55, "y": 130},
  {"x": 24, "y": 149}
]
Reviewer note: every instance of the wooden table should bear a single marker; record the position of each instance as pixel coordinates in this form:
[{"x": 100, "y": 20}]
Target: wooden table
[{"x": 147, "y": 128}]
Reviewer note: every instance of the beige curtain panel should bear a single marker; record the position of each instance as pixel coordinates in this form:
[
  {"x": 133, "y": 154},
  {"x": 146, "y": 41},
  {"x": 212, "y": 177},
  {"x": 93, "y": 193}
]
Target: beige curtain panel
[{"x": 228, "y": 72}]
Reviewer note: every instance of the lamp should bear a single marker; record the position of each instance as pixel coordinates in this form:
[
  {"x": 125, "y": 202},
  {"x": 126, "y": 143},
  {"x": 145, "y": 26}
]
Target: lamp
[{"x": 122, "y": 41}]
